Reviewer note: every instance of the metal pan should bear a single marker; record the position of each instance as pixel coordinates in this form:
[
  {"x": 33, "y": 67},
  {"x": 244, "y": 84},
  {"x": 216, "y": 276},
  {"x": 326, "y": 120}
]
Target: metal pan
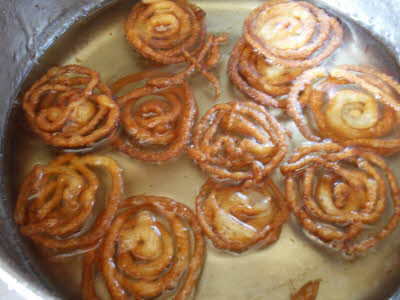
[{"x": 38, "y": 34}]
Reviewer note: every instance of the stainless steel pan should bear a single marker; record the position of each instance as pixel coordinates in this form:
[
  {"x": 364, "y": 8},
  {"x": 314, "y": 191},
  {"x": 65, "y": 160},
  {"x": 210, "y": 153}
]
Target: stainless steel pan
[{"x": 28, "y": 28}]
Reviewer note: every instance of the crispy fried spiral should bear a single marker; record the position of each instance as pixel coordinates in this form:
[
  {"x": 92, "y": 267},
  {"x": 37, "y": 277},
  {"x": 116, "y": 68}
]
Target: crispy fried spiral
[
  {"x": 70, "y": 107},
  {"x": 258, "y": 77},
  {"x": 353, "y": 105},
  {"x": 338, "y": 193},
  {"x": 154, "y": 245},
  {"x": 237, "y": 217},
  {"x": 293, "y": 34},
  {"x": 56, "y": 201},
  {"x": 156, "y": 123},
  {"x": 238, "y": 141},
  {"x": 162, "y": 30}
]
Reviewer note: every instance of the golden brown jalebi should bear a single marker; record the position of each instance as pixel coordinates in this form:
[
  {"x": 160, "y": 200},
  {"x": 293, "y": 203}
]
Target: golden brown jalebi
[
  {"x": 238, "y": 141},
  {"x": 337, "y": 194},
  {"x": 208, "y": 56},
  {"x": 237, "y": 217},
  {"x": 259, "y": 78},
  {"x": 70, "y": 107},
  {"x": 308, "y": 292},
  {"x": 163, "y": 30},
  {"x": 55, "y": 203},
  {"x": 352, "y": 105},
  {"x": 153, "y": 246},
  {"x": 292, "y": 34},
  {"x": 156, "y": 123}
]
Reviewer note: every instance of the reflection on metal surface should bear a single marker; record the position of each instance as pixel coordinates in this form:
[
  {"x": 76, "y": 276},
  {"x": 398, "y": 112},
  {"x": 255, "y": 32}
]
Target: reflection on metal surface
[
  {"x": 15, "y": 287},
  {"x": 100, "y": 44}
]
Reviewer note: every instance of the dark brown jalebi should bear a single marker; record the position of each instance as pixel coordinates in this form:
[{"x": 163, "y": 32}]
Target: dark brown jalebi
[
  {"x": 308, "y": 292},
  {"x": 352, "y": 105},
  {"x": 237, "y": 217},
  {"x": 158, "y": 128},
  {"x": 154, "y": 245},
  {"x": 292, "y": 33},
  {"x": 238, "y": 141},
  {"x": 259, "y": 78},
  {"x": 163, "y": 30},
  {"x": 338, "y": 193},
  {"x": 56, "y": 202},
  {"x": 208, "y": 56},
  {"x": 70, "y": 107}
]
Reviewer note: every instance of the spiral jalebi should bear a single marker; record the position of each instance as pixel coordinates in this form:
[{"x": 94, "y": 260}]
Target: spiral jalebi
[
  {"x": 352, "y": 105},
  {"x": 239, "y": 141},
  {"x": 154, "y": 245},
  {"x": 237, "y": 217},
  {"x": 338, "y": 194},
  {"x": 56, "y": 202},
  {"x": 163, "y": 30},
  {"x": 292, "y": 33},
  {"x": 158, "y": 128},
  {"x": 70, "y": 107},
  {"x": 259, "y": 78}
]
